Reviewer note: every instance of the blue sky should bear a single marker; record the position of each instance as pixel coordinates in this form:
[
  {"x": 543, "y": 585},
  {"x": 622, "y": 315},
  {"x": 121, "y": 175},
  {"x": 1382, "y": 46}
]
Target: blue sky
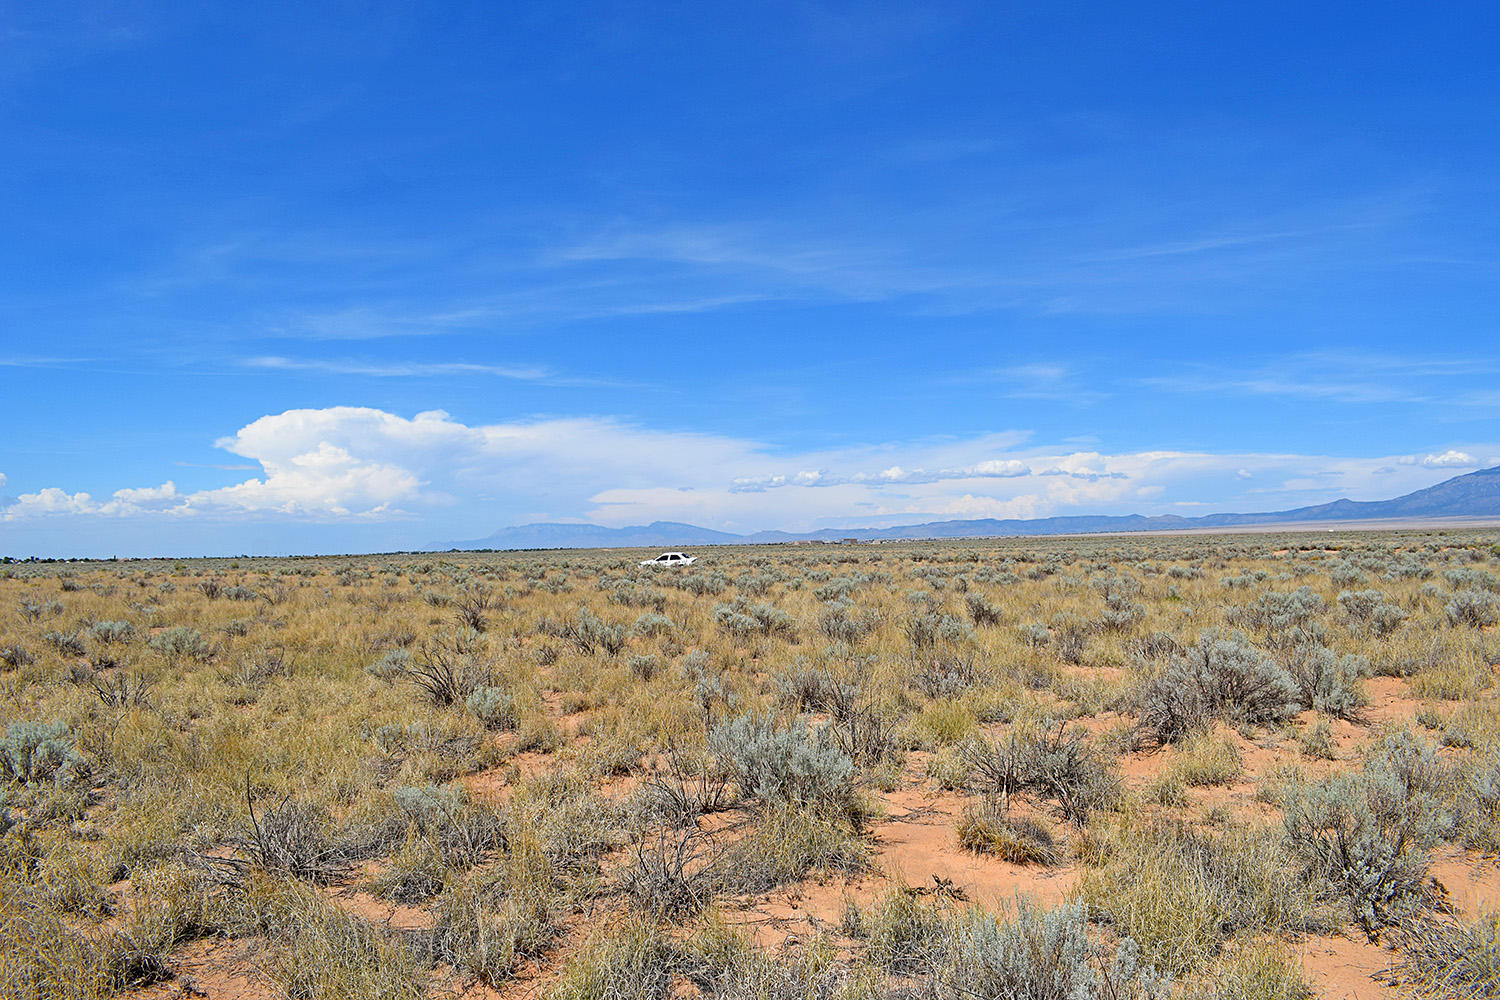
[{"x": 348, "y": 277}]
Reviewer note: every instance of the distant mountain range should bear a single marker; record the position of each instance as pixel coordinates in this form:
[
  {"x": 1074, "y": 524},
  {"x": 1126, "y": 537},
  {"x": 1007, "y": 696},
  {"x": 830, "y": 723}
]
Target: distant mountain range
[{"x": 1476, "y": 494}]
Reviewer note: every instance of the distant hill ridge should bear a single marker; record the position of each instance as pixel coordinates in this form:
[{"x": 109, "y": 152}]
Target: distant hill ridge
[{"x": 1476, "y": 494}]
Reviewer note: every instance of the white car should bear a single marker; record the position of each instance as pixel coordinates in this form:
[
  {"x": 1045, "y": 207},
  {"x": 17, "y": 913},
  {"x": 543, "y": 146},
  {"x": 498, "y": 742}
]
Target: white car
[{"x": 670, "y": 559}]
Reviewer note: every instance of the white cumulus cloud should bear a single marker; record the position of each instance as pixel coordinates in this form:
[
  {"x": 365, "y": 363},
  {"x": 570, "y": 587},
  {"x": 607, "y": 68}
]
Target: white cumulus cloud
[{"x": 1449, "y": 459}]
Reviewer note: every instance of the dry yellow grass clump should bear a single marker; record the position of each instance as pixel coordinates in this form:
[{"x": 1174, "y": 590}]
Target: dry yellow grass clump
[{"x": 1244, "y": 766}]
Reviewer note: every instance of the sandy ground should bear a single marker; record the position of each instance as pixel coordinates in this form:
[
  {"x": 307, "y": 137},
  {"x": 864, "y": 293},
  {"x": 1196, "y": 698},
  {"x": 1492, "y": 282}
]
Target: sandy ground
[{"x": 914, "y": 845}]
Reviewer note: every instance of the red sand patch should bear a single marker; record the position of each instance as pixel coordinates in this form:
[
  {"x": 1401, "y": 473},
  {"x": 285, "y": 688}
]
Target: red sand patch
[
  {"x": 1389, "y": 701},
  {"x": 1342, "y": 968},
  {"x": 1472, "y": 881},
  {"x": 214, "y": 969},
  {"x": 383, "y": 912},
  {"x": 798, "y": 912},
  {"x": 918, "y": 845}
]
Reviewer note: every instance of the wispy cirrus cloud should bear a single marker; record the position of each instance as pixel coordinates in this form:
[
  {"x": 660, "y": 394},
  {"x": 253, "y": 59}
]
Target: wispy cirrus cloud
[
  {"x": 384, "y": 369},
  {"x": 538, "y": 303},
  {"x": 971, "y": 252},
  {"x": 25, "y": 361},
  {"x": 895, "y": 475},
  {"x": 1072, "y": 255},
  {"x": 1339, "y": 378},
  {"x": 939, "y": 260},
  {"x": 397, "y": 369},
  {"x": 1329, "y": 390},
  {"x": 1246, "y": 237},
  {"x": 1041, "y": 380}
]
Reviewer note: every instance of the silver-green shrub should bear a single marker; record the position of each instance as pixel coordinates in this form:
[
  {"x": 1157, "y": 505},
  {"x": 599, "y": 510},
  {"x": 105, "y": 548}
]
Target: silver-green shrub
[
  {"x": 112, "y": 631},
  {"x": 1041, "y": 955},
  {"x": 181, "y": 641},
  {"x": 1369, "y": 832},
  {"x": 494, "y": 706},
  {"x": 1221, "y": 677},
  {"x": 797, "y": 763},
  {"x": 35, "y": 753},
  {"x": 1329, "y": 683},
  {"x": 1474, "y": 608}
]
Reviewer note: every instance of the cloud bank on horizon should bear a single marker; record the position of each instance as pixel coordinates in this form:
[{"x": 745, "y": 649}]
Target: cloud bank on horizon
[{"x": 410, "y": 477}]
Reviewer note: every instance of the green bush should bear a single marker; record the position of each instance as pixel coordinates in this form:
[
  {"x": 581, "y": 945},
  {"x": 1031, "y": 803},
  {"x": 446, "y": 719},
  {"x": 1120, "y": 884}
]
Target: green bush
[
  {"x": 112, "y": 631},
  {"x": 1478, "y": 803},
  {"x": 981, "y": 611},
  {"x": 14, "y": 655},
  {"x": 588, "y": 632},
  {"x": 985, "y": 829},
  {"x": 1257, "y": 971},
  {"x": 926, "y": 629},
  {"x": 392, "y": 665},
  {"x": 744, "y": 620},
  {"x": 652, "y": 623},
  {"x": 842, "y": 622},
  {"x": 1372, "y": 610},
  {"x": 1282, "y": 615},
  {"x": 633, "y": 961},
  {"x": 1181, "y": 893}
]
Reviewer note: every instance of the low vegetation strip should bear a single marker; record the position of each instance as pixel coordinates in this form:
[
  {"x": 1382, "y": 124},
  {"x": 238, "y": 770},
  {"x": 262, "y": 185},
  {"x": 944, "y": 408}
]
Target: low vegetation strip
[{"x": 407, "y": 776}]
